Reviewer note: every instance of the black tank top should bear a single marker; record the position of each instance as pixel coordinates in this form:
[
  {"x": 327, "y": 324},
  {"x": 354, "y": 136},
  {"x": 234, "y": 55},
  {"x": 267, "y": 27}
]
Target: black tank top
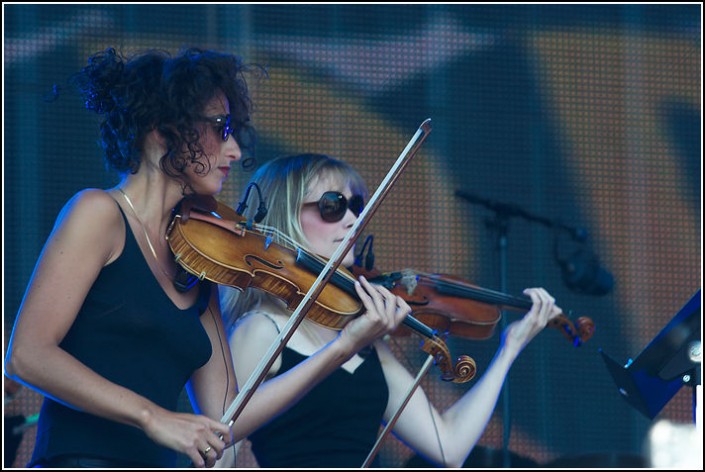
[
  {"x": 333, "y": 426},
  {"x": 130, "y": 332}
]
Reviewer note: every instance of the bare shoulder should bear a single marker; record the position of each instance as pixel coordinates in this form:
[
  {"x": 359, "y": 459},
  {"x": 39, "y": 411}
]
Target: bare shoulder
[
  {"x": 255, "y": 327},
  {"x": 92, "y": 203},
  {"x": 94, "y": 208},
  {"x": 91, "y": 219},
  {"x": 250, "y": 340}
]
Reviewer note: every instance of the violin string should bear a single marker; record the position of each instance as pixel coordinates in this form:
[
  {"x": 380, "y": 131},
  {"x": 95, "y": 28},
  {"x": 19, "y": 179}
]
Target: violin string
[
  {"x": 480, "y": 294},
  {"x": 293, "y": 245},
  {"x": 146, "y": 235},
  {"x": 264, "y": 229}
]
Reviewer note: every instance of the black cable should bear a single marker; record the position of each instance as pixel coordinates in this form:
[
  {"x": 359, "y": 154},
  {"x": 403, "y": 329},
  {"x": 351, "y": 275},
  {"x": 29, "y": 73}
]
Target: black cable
[
  {"x": 370, "y": 257},
  {"x": 225, "y": 360},
  {"x": 261, "y": 210},
  {"x": 358, "y": 258}
]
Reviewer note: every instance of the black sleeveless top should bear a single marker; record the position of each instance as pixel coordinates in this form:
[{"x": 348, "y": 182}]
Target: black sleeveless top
[
  {"x": 333, "y": 426},
  {"x": 130, "y": 332}
]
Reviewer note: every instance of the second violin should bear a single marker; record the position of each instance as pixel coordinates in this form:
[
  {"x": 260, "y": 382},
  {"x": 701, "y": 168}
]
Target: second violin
[{"x": 459, "y": 308}]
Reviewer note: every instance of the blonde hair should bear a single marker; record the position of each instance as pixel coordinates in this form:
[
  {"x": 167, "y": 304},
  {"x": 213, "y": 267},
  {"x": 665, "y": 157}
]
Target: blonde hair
[{"x": 284, "y": 183}]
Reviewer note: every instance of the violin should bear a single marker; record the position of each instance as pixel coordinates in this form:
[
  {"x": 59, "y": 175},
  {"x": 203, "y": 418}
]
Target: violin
[
  {"x": 450, "y": 304},
  {"x": 210, "y": 240}
]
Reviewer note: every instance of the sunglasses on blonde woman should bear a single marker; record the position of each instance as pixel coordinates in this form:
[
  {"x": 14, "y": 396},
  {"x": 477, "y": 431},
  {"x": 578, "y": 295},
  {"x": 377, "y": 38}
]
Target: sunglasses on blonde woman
[{"x": 333, "y": 205}]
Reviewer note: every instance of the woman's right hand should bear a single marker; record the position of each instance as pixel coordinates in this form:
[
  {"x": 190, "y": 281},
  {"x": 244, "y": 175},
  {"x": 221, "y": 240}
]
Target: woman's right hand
[
  {"x": 201, "y": 438},
  {"x": 383, "y": 313}
]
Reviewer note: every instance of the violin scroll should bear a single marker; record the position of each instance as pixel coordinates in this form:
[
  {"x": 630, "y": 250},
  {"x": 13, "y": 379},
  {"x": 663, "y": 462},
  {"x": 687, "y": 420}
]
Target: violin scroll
[
  {"x": 465, "y": 367},
  {"x": 577, "y": 332}
]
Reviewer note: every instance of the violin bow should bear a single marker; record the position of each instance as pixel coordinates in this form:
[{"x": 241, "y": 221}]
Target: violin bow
[
  {"x": 260, "y": 372},
  {"x": 393, "y": 420}
]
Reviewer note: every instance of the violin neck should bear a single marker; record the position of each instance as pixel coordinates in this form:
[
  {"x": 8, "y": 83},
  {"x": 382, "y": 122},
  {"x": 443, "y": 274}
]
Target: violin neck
[
  {"x": 419, "y": 327},
  {"x": 347, "y": 284},
  {"x": 483, "y": 295},
  {"x": 315, "y": 266}
]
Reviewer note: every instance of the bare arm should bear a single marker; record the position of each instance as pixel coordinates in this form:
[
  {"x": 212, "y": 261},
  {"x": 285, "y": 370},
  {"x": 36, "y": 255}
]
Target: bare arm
[
  {"x": 213, "y": 386},
  {"x": 253, "y": 336},
  {"x": 461, "y": 426},
  {"x": 81, "y": 243},
  {"x": 88, "y": 235}
]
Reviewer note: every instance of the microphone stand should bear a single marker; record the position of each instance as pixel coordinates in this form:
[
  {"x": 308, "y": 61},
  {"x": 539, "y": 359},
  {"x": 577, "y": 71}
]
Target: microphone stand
[
  {"x": 500, "y": 223},
  {"x": 508, "y": 209}
]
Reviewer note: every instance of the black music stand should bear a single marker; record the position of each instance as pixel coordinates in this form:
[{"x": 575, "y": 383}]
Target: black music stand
[{"x": 671, "y": 360}]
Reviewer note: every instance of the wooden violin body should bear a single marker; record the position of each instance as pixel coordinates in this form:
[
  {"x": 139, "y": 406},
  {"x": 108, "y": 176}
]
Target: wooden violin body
[{"x": 221, "y": 249}]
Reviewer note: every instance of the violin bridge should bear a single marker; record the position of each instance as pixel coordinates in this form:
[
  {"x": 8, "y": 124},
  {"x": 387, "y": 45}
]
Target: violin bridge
[{"x": 409, "y": 280}]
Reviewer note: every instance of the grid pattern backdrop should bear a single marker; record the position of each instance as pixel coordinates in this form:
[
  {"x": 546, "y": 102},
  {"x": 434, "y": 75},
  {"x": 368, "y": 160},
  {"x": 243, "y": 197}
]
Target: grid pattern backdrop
[{"x": 586, "y": 115}]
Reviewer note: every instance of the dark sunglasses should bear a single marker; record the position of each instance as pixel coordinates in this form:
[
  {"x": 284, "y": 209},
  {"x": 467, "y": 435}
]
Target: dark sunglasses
[
  {"x": 333, "y": 205},
  {"x": 243, "y": 134}
]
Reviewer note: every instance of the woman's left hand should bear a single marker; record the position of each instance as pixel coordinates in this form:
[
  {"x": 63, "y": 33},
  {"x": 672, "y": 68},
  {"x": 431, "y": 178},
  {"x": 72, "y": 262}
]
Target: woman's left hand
[{"x": 543, "y": 309}]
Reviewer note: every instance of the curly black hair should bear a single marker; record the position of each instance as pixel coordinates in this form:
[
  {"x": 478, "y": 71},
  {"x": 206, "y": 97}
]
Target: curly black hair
[{"x": 155, "y": 90}]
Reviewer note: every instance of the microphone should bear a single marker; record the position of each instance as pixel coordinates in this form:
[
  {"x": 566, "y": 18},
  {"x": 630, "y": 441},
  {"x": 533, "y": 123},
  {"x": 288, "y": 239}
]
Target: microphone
[
  {"x": 358, "y": 260},
  {"x": 583, "y": 274},
  {"x": 369, "y": 258},
  {"x": 261, "y": 210}
]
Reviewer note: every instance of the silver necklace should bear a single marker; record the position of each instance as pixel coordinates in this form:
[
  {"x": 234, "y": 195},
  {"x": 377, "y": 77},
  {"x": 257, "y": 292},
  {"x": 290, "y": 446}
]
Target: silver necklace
[{"x": 146, "y": 235}]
